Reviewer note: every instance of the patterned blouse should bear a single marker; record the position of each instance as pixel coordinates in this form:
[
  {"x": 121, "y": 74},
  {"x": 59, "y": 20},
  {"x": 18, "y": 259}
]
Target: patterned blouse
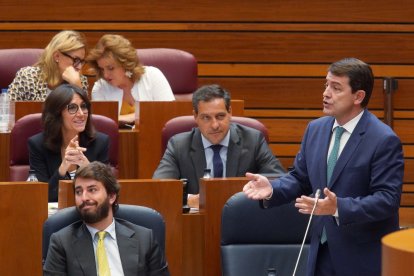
[{"x": 29, "y": 86}]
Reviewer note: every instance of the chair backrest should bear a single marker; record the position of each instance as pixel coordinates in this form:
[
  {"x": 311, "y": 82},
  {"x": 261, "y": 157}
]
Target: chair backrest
[
  {"x": 179, "y": 67},
  {"x": 138, "y": 215},
  {"x": 31, "y": 124},
  {"x": 254, "y": 239},
  {"x": 12, "y": 60},
  {"x": 186, "y": 123}
]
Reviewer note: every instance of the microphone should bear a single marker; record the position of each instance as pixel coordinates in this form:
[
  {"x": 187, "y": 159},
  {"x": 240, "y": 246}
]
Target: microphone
[{"x": 317, "y": 195}]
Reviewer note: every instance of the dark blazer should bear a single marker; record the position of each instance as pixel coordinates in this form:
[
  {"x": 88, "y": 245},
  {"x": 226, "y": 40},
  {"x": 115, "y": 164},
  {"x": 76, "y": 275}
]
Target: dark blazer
[
  {"x": 46, "y": 162},
  {"x": 367, "y": 181},
  {"x": 247, "y": 152},
  {"x": 71, "y": 251}
]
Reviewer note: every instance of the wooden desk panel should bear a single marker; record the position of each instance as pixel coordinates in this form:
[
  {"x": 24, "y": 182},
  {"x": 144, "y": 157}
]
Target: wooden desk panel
[
  {"x": 214, "y": 194},
  {"x": 153, "y": 116},
  {"x": 398, "y": 253},
  {"x": 165, "y": 196},
  {"x": 21, "y": 227}
]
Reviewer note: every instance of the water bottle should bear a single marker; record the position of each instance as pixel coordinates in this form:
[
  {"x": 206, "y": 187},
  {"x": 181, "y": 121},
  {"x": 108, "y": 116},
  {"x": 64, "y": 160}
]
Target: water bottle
[
  {"x": 32, "y": 176},
  {"x": 4, "y": 111},
  {"x": 207, "y": 173}
]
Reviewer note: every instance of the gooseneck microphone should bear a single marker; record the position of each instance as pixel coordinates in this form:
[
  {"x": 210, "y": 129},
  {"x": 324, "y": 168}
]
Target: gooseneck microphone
[{"x": 317, "y": 195}]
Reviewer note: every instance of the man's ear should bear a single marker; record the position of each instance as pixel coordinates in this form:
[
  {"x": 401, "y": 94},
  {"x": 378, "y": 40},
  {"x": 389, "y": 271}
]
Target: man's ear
[
  {"x": 112, "y": 198},
  {"x": 359, "y": 96},
  {"x": 194, "y": 114}
]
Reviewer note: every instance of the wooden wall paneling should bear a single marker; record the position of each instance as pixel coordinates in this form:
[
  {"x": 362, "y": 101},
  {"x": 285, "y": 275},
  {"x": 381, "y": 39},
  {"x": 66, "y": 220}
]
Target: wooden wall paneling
[
  {"x": 256, "y": 47},
  {"x": 286, "y": 93},
  {"x": 258, "y": 11}
]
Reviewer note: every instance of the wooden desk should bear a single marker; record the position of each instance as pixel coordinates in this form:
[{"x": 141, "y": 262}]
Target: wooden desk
[
  {"x": 23, "y": 208},
  {"x": 214, "y": 193},
  {"x": 165, "y": 196},
  {"x": 153, "y": 116},
  {"x": 398, "y": 253}
]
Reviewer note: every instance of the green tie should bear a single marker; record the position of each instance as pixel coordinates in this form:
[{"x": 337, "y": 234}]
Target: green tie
[
  {"x": 103, "y": 266},
  {"x": 333, "y": 156},
  {"x": 334, "y": 152}
]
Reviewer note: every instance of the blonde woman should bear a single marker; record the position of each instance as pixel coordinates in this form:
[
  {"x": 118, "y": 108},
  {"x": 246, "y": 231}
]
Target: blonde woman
[
  {"x": 61, "y": 62},
  {"x": 122, "y": 78}
]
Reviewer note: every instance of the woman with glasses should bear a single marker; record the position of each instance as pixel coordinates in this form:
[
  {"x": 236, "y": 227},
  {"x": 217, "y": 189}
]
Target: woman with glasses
[
  {"x": 68, "y": 139},
  {"x": 122, "y": 78},
  {"x": 60, "y": 62}
]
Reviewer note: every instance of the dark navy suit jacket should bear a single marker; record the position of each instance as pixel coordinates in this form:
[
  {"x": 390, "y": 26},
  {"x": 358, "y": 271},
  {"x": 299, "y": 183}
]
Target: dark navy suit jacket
[{"x": 367, "y": 181}]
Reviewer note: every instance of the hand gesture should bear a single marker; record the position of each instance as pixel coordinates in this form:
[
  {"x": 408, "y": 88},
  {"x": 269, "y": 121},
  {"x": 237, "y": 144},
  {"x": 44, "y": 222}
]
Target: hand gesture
[
  {"x": 73, "y": 155},
  {"x": 258, "y": 187},
  {"x": 326, "y": 206}
]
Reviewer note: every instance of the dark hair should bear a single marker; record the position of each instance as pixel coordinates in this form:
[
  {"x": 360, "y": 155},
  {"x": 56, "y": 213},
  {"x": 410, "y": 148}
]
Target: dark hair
[
  {"x": 207, "y": 93},
  {"x": 103, "y": 173},
  {"x": 55, "y": 103},
  {"x": 359, "y": 73}
]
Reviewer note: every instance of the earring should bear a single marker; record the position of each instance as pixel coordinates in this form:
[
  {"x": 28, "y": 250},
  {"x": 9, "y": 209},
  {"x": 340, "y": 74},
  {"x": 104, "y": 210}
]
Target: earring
[
  {"x": 128, "y": 74},
  {"x": 57, "y": 61}
]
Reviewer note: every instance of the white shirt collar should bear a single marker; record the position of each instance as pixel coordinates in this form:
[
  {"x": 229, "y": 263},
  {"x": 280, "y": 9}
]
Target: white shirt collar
[
  {"x": 110, "y": 230},
  {"x": 349, "y": 126},
  {"x": 224, "y": 142}
]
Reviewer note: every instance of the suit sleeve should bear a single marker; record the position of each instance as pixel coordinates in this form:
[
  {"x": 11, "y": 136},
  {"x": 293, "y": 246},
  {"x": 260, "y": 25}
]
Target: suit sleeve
[
  {"x": 266, "y": 161},
  {"x": 37, "y": 160},
  {"x": 156, "y": 262},
  {"x": 168, "y": 167},
  {"x": 55, "y": 263}
]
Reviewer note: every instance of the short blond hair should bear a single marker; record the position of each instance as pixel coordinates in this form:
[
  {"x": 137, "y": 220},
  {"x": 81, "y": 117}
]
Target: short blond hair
[{"x": 64, "y": 41}]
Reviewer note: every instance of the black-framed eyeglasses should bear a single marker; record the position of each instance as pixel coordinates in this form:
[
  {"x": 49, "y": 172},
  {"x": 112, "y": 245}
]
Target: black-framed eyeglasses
[
  {"x": 76, "y": 61},
  {"x": 73, "y": 108}
]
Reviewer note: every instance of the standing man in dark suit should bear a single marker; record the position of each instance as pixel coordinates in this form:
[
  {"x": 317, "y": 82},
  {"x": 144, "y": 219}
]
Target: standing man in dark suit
[
  {"x": 241, "y": 149},
  {"x": 99, "y": 244},
  {"x": 357, "y": 161}
]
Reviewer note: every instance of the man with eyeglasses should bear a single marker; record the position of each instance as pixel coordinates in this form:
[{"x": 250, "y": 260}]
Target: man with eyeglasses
[{"x": 61, "y": 62}]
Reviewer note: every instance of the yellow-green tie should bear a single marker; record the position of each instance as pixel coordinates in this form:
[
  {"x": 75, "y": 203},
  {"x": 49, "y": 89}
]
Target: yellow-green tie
[{"x": 103, "y": 266}]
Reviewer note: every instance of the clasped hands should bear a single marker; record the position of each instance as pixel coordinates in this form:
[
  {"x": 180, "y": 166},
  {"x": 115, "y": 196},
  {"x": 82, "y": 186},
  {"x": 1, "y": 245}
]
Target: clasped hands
[
  {"x": 259, "y": 188},
  {"x": 73, "y": 155}
]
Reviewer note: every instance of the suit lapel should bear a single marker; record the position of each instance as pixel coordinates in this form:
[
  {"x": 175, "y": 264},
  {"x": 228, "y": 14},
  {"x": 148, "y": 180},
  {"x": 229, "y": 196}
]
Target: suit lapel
[
  {"x": 233, "y": 152},
  {"x": 128, "y": 250},
  {"x": 350, "y": 147},
  {"x": 83, "y": 248},
  {"x": 197, "y": 155}
]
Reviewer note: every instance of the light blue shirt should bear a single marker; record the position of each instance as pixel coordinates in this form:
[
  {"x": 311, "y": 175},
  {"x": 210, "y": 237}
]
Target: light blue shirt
[
  {"x": 111, "y": 248},
  {"x": 209, "y": 152}
]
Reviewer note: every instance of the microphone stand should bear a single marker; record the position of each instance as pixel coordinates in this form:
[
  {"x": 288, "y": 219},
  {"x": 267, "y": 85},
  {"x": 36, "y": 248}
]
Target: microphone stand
[{"x": 317, "y": 195}]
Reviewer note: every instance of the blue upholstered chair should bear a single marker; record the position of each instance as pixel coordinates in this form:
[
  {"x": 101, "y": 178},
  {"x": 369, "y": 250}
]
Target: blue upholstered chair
[
  {"x": 254, "y": 240},
  {"x": 139, "y": 215}
]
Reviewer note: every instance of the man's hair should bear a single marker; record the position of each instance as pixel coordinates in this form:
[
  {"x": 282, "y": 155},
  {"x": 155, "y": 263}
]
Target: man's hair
[
  {"x": 102, "y": 173},
  {"x": 207, "y": 93},
  {"x": 359, "y": 73}
]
